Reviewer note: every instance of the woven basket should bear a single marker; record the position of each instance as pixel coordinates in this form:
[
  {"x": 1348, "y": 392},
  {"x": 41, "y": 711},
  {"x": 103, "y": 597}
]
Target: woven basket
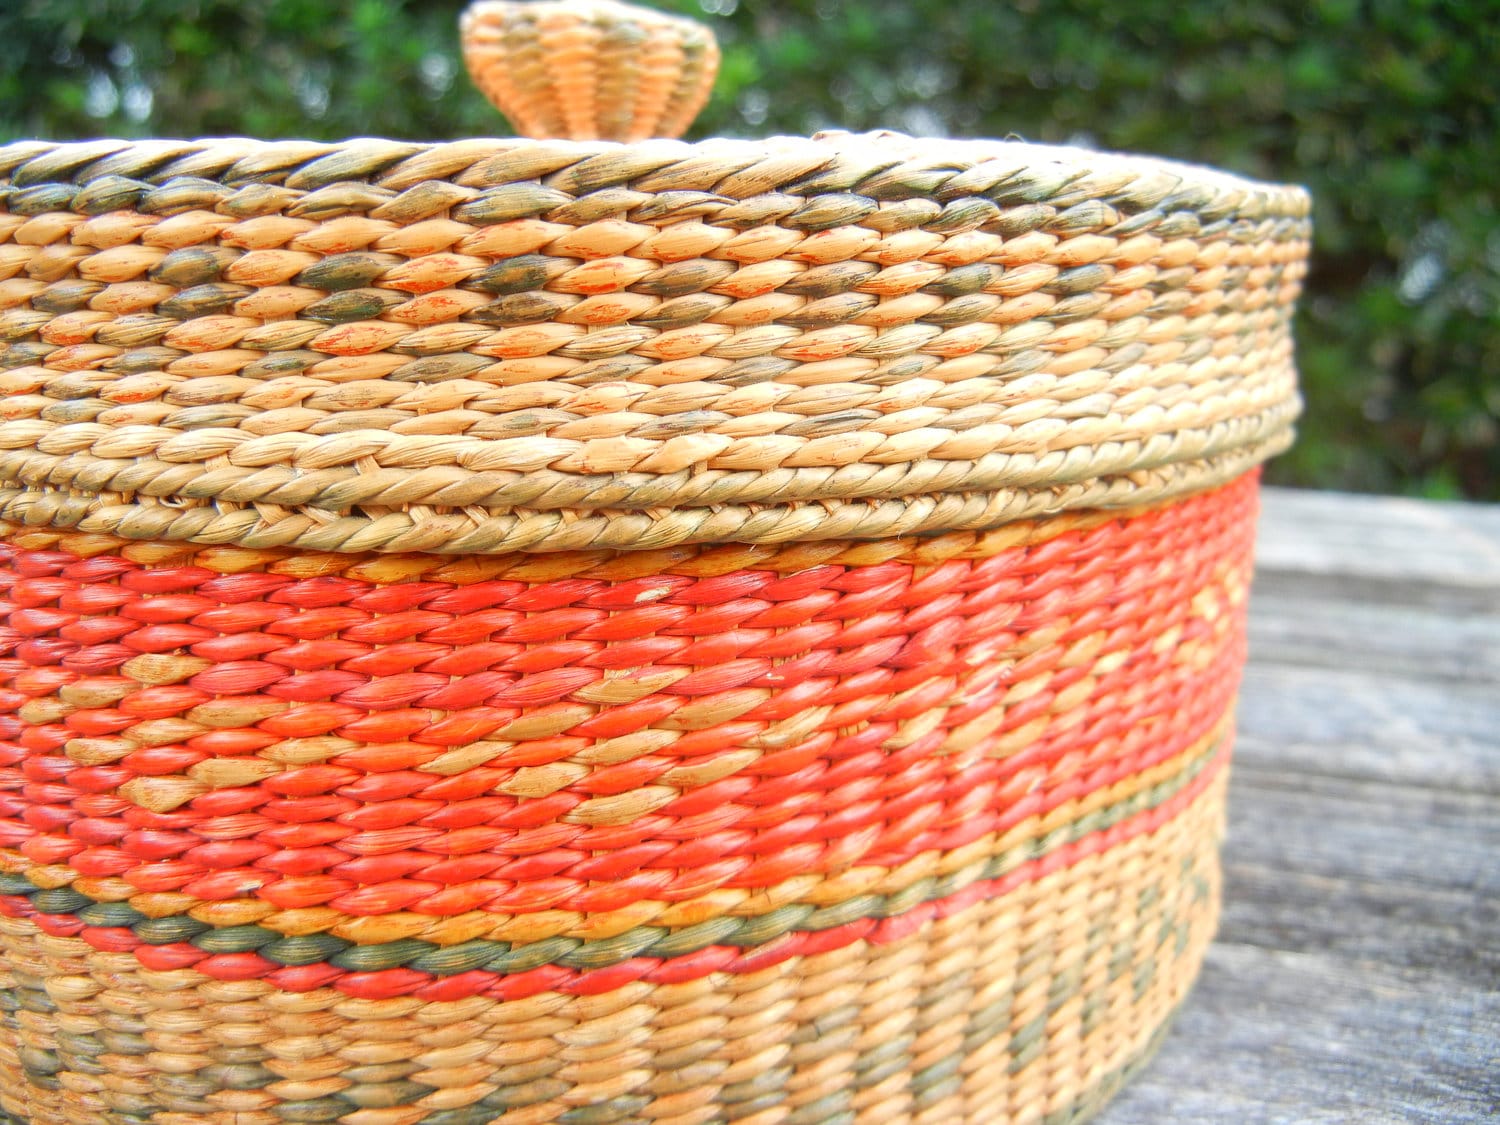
[{"x": 560, "y": 631}]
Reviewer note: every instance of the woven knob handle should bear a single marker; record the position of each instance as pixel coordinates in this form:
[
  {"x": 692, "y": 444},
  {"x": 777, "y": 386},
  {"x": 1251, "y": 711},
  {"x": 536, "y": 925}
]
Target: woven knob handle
[{"x": 589, "y": 69}]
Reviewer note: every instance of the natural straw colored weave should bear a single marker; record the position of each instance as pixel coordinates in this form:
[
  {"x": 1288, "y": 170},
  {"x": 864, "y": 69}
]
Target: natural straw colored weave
[
  {"x": 497, "y": 346},
  {"x": 511, "y": 632}
]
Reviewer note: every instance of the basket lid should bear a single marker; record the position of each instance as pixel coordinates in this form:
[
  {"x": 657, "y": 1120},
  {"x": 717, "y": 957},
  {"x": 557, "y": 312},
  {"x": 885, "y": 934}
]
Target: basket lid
[{"x": 549, "y": 344}]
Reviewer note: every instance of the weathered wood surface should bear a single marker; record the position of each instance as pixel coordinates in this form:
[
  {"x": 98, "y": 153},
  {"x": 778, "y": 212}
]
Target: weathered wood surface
[{"x": 1357, "y": 974}]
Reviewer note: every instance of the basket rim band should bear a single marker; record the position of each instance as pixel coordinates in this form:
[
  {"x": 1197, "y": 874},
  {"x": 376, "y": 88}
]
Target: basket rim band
[
  {"x": 461, "y": 533},
  {"x": 885, "y": 165}
]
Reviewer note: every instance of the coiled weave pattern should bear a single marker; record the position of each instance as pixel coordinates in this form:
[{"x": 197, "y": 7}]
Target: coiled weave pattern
[
  {"x": 917, "y": 830},
  {"x": 493, "y": 346}
]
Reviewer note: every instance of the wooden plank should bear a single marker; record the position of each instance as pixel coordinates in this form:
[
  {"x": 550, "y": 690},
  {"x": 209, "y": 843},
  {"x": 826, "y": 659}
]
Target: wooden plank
[
  {"x": 1398, "y": 642},
  {"x": 1357, "y": 977},
  {"x": 1409, "y": 541},
  {"x": 1410, "y": 840},
  {"x": 1281, "y": 1038},
  {"x": 1384, "y": 585},
  {"x": 1309, "y": 721},
  {"x": 1367, "y": 872},
  {"x": 1381, "y": 548}
]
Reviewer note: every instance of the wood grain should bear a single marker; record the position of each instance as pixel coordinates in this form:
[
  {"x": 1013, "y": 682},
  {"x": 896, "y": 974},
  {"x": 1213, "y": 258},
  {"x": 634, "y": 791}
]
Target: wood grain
[{"x": 1357, "y": 974}]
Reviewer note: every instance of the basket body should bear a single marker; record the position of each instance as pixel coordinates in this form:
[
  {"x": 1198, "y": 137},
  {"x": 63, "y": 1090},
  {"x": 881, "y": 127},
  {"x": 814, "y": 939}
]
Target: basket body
[{"x": 538, "y": 632}]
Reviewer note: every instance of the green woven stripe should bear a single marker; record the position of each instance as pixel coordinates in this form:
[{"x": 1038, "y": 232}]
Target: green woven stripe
[
  {"x": 573, "y": 953},
  {"x": 1165, "y": 914}
]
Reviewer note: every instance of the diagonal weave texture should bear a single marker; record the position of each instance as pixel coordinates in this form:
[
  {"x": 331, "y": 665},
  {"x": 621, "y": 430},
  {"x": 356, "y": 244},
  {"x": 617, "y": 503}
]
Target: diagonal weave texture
[
  {"x": 494, "y": 346},
  {"x": 917, "y": 831}
]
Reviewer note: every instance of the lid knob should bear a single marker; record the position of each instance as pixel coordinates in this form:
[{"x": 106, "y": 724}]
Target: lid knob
[{"x": 589, "y": 69}]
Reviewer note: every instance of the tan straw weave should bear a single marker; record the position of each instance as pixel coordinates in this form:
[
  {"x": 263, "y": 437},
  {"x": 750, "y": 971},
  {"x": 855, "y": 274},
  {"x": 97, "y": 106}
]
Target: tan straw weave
[{"x": 507, "y": 345}]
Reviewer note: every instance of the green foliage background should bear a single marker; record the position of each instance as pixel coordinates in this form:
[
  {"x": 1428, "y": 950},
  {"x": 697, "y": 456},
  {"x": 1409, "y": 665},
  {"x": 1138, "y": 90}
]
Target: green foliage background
[{"x": 1388, "y": 110}]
